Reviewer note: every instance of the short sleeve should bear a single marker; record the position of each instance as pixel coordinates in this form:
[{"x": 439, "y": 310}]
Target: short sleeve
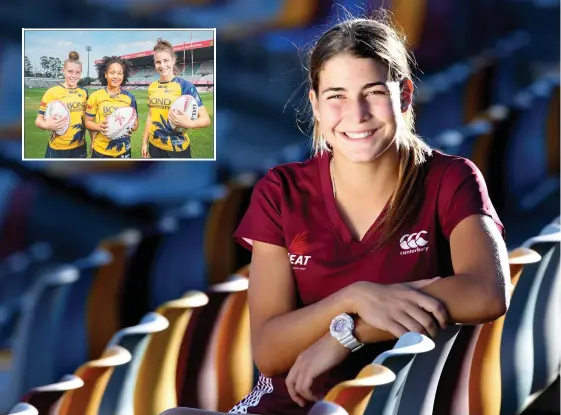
[
  {"x": 263, "y": 219},
  {"x": 188, "y": 88},
  {"x": 91, "y": 106},
  {"x": 463, "y": 193},
  {"x": 47, "y": 97}
]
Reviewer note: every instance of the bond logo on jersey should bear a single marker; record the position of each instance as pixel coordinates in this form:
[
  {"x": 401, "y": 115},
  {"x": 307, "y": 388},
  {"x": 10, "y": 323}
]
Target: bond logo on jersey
[
  {"x": 411, "y": 243},
  {"x": 108, "y": 110},
  {"x": 76, "y": 106},
  {"x": 297, "y": 251}
]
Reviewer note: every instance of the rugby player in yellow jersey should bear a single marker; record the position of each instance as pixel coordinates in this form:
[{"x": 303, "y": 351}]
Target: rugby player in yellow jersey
[
  {"x": 71, "y": 144},
  {"x": 113, "y": 73},
  {"x": 160, "y": 140}
]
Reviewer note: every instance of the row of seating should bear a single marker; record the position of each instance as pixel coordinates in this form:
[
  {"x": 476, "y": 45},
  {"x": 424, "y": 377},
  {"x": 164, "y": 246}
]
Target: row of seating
[{"x": 195, "y": 352}]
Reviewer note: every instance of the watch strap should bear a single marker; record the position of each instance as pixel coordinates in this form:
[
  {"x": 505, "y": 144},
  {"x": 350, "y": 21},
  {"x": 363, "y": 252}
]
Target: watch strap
[{"x": 351, "y": 343}]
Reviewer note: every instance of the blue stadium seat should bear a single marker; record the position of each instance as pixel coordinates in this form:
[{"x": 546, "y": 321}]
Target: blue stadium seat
[
  {"x": 71, "y": 354},
  {"x": 386, "y": 398},
  {"x": 37, "y": 336},
  {"x": 520, "y": 348}
]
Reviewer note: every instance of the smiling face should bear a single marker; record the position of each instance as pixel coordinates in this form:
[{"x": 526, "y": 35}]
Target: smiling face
[
  {"x": 114, "y": 75},
  {"x": 357, "y": 107},
  {"x": 164, "y": 62},
  {"x": 72, "y": 74}
]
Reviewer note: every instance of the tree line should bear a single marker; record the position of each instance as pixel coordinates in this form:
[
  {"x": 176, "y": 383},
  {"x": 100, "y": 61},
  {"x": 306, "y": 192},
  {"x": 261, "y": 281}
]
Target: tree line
[{"x": 49, "y": 68}]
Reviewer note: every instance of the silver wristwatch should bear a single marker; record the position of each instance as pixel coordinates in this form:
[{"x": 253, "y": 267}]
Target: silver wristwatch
[{"x": 341, "y": 328}]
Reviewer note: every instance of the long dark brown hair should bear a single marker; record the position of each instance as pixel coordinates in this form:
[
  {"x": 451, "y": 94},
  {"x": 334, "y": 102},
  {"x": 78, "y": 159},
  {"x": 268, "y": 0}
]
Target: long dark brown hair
[{"x": 376, "y": 38}]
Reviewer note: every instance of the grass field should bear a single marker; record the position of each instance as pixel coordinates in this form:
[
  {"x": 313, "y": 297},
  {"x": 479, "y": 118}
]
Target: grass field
[{"x": 35, "y": 139}]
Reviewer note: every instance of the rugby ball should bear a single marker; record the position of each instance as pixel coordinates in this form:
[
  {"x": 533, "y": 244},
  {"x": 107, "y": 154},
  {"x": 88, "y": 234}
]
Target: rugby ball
[
  {"x": 120, "y": 121},
  {"x": 186, "y": 104},
  {"x": 56, "y": 109}
]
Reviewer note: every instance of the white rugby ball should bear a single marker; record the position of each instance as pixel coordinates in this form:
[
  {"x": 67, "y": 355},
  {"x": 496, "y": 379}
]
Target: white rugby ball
[
  {"x": 57, "y": 109},
  {"x": 120, "y": 121},
  {"x": 186, "y": 104}
]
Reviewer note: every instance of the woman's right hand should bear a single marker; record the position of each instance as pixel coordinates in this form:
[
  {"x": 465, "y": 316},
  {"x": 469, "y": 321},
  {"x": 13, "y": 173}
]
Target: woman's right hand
[
  {"x": 53, "y": 124},
  {"x": 104, "y": 127},
  {"x": 398, "y": 308},
  {"x": 144, "y": 150}
]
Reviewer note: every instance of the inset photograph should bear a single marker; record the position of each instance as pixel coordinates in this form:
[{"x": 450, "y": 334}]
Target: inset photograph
[{"x": 118, "y": 94}]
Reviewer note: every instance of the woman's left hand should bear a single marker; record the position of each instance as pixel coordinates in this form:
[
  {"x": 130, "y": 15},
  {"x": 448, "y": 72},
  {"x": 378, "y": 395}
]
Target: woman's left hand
[
  {"x": 180, "y": 119},
  {"x": 313, "y": 362}
]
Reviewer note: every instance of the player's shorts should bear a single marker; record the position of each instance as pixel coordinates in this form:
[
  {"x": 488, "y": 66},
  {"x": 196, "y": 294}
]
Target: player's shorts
[
  {"x": 125, "y": 155},
  {"x": 158, "y": 153},
  {"x": 78, "y": 152}
]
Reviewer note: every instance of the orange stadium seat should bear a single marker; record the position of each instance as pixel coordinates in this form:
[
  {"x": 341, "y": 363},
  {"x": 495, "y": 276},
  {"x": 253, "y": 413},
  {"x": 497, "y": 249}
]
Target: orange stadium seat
[
  {"x": 95, "y": 374},
  {"x": 156, "y": 388},
  {"x": 353, "y": 395},
  {"x": 104, "y": 295}
]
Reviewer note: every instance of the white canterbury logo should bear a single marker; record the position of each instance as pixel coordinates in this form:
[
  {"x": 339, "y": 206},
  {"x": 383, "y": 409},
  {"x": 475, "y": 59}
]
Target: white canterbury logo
[{"x": 414, "y": 242}]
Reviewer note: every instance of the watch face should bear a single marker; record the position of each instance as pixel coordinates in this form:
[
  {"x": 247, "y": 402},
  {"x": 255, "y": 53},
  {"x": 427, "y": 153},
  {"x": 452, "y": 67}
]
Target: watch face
[{"x": 341, "y": 326}]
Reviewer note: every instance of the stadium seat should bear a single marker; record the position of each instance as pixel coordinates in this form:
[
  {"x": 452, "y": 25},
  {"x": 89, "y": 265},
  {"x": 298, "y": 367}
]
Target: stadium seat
[
  {"x": 424, "y": 376},
  {"x": 23, "y": 409},
  {"x": 105, "y": 293},
  {"x": 119, "y": 394},
  {"x": 72, "y": 354},
  {"x": 214, "y": 369},
  {"x": 327, "y": 408},
  {"x": 37, "y": 335},
  {"x": 228, "y": 354},
  {"x": 15, "y": 226},
  {"x": 45, "y": 397},
  {"x": 156, "y": 384},
  {"x": 485, "y": 364},
  {"x": 547, "y": 346},
  {"x": 523, "y": 372},
  {"x": 399, "y": 361},
  {"x": 95, "y": 374},
  {"x": 353, "y": 394},
  {"x": 223, "y": 218}
]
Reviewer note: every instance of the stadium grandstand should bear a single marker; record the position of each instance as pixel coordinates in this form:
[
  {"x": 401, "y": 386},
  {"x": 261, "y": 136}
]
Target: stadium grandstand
[
  {"x": 194, "y": 62},
  {"x": 123, "y": 291}
]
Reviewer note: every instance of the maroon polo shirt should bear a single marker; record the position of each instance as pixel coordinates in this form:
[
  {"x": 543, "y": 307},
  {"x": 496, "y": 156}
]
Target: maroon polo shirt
[{"x": 293, "y": 206}]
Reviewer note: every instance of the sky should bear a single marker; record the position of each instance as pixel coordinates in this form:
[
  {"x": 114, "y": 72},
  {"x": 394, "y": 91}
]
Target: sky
[{"x": 58, "y": 43}]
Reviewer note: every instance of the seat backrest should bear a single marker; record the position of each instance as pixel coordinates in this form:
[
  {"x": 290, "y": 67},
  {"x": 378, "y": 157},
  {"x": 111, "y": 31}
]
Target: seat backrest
[
  {"x": 95, "y": 374},
  {"x": 71, "y": 354},
  {"x": 547, "y": 345},
  {"x": 45, "y": 397},
  {"x": 156, "y": 387},
  {"x": 23, "y": 409},
  {"x": 385, "y": 399},
  {"x": 517, "y": 343},
  {"x": 104, "y": 293},
  {"x": 38, "y": 332},
  {"x": 353, "y": 395},
  {"x": 119, "y": 393},
  {"x": 424, "y": 375}
]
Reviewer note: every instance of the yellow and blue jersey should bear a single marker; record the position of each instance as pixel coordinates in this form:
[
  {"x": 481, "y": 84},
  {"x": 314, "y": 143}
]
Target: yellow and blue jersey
[
  {"x": 100, "y": 106},
  {"x": 75, "y": 100},
  {"x": 160, "y": 97}
]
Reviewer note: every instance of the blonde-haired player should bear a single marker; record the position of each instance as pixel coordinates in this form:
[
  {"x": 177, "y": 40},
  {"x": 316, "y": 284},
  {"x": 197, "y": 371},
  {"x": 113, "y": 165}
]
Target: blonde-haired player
[
  {"x": 71, "y": 144},
  {"x": 160, "y": 140}
]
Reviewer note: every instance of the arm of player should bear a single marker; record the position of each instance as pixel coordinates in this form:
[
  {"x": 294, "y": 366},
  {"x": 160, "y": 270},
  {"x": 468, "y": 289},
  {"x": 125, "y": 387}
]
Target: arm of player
[
  {"x": 92, "y": 126},
  {"x": 52, "y": 124},
  {"x": 144, "y": 148},
  {"x": 479, "y": 290},
  {"x": 183, "y": 120}
]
